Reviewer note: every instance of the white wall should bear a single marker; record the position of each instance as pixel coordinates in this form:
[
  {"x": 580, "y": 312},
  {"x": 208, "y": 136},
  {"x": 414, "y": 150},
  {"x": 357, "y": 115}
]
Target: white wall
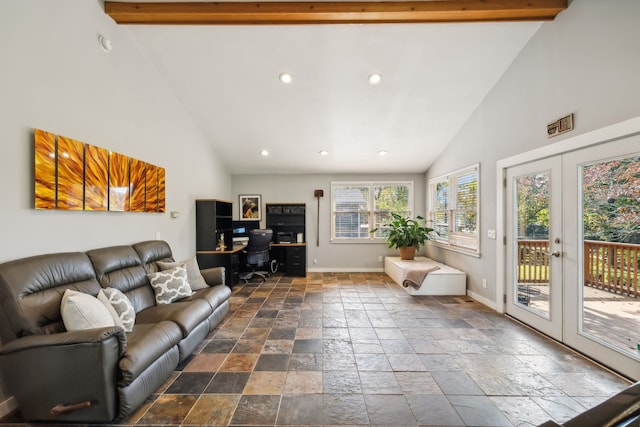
[
  {"x": 300, "y": 188},
  {"x": 54, "y": 76},
  {"x": 585, "y": 62}
]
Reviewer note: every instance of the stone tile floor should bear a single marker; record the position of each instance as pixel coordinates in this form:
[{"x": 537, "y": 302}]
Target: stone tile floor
[{"x": 355, "y": 349}]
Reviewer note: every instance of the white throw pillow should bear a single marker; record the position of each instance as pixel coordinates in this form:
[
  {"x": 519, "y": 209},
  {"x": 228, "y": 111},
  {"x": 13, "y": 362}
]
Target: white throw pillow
[
  {"x": 170, "y": 285},
  {"x": 83, "y": 311},
  {"x": 196, "y": 281},
  {"x": 121, "y": 305}
]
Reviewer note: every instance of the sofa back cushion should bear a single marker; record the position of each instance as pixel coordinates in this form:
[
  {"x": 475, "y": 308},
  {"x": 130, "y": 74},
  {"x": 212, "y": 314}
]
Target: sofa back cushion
[
  {"x": 31, "y": 291},
  {"x": 120, "y": 267},
  {"x": 152, "y": 251}
]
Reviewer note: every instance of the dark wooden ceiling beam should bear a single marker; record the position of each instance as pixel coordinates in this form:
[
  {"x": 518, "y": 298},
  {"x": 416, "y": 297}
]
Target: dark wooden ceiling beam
[{"x": 349, "y": 12}]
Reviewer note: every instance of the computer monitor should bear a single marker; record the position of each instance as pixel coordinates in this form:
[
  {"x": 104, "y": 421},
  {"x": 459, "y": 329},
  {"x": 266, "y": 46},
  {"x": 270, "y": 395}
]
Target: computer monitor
[{"x": 241, "y": 229}]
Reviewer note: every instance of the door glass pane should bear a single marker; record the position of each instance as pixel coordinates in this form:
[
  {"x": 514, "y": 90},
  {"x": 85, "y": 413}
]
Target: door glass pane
[
  {"x": 531, "y": 259},
  {"x": 611, "y": 252}
]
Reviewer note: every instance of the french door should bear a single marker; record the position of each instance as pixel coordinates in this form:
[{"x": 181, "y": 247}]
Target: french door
[
  {"x": 573, "y": 250},
  {"x": 534, "y": 245}
]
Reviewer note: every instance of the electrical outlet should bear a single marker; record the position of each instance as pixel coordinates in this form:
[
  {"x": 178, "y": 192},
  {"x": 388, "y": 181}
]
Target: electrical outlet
[
  {"x": 491, "y": 234},
  {"x": 315, "y": 260},
  {"x": 379, "y": 258},
  {"x": 484, "y": 283},
  {"x": 157, "y": 235}
]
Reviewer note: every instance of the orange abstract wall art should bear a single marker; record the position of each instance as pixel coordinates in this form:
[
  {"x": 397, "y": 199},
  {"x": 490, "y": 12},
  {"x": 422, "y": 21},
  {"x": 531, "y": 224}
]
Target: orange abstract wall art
[
  {"x": 96, "y": 178},
  {"x": 151, "y": 201},
  {"x": 71, "y": 175},
  {"x": 118, "y": 182},
  {"x": 70, "y": 158},
  {"x": 161, "y": 190},
  {"x": 137, "y": 176},
  {"x": 45, "y": 170}
]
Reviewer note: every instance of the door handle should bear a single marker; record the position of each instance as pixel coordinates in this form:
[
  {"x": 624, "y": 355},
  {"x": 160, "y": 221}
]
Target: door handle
[{"x": 555, "y": 254}]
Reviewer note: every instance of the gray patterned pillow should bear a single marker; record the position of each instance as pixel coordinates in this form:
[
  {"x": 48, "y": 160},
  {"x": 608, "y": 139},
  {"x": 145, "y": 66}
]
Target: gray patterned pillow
[
  {"x": 112, "y": 311},
  {"x": 196, "y": 281},
  {"x": 121, "y": 305},
  {"x": 170, "y": 285}
]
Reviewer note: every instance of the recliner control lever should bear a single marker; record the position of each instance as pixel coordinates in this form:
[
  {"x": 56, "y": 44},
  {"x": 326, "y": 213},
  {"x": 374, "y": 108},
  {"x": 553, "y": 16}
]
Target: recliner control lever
[{"x": 60, "y": 409}]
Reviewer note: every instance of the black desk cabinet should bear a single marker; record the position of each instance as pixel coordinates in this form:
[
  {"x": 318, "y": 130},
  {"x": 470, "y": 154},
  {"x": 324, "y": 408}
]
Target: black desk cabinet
[
  {"x": 288, "y": 219},
  {"x": 292, "y": 258},
  {"x": 296, "y": 261},
  {"x": 213, "y": 219}
]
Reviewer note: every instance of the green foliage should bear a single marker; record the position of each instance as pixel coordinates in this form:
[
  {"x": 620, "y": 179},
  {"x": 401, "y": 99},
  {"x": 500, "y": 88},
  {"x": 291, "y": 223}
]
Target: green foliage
[
  {"x": 403, "y": 231},
  {"x": 611, "y": 191},
  {"x": 610, "y": 196},
  {"x": 391, "y": 198},
  {"x": 533, "y": 205}
]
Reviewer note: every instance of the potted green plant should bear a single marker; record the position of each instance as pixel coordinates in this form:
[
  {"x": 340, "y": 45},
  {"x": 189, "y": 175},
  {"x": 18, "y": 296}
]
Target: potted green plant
[{"x": 406, "y": 234}]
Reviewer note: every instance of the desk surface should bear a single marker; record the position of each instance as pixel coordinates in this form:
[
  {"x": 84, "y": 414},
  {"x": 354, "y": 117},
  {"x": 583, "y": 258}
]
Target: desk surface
[
  {"x": 235, "y": 249},
  {"x": 238, "y": 248}
]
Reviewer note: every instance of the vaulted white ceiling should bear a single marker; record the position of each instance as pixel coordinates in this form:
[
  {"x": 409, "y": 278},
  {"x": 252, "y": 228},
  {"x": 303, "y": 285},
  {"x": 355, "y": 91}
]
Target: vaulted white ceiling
[{"x": 433, "y": 77}]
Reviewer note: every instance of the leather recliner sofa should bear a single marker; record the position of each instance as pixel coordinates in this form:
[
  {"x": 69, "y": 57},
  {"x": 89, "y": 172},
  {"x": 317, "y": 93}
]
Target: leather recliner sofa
[{"x": 97, "y": 375}]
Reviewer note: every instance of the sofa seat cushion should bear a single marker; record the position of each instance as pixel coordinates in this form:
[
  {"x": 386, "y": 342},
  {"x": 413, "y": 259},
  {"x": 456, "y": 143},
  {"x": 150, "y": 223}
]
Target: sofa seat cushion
[
  {"x": 145, "y": 344},
  {"x": 215, "y": 295},
  {"x": 186, "y": 314}
]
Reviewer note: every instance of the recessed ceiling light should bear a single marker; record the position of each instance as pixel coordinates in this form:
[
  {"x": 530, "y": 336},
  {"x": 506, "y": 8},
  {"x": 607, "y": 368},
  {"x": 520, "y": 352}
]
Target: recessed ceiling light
[
  {"x": 285, "y": 78},
  {"x": 264, "y": 152},
  {"x": 382, "y": 153},
  {"x": 374, "y": 78},
  {"x": 323, "y": 152}
]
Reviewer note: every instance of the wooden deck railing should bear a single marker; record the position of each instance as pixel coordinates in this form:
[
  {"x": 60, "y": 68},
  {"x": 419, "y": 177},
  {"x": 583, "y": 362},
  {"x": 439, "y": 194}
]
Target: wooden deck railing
[
  {"x": 613, "y": 267},
  {"x": 533, "y": 261}
]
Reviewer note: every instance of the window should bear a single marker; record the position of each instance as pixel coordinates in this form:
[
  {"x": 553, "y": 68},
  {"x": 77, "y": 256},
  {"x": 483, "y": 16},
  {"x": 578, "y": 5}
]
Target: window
[
  {"x": 357, "y": 207},
  {"x": 454, "y": 208}
]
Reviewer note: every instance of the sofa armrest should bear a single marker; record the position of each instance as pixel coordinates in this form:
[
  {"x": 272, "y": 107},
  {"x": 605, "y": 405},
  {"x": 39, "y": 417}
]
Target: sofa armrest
[
  {"x": 86, "y": 336},
  {"x": 213, "y": 276},
  {"x": 76, "y": 370}
]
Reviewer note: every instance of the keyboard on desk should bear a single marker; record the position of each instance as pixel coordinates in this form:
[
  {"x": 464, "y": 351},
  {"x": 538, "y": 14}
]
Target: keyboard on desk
[{"x": 240, "y": 241}]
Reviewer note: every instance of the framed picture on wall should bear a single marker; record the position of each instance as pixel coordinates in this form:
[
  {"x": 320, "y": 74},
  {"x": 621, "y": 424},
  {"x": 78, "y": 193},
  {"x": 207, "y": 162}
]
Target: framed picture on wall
[{"x": 250, "y": 207}]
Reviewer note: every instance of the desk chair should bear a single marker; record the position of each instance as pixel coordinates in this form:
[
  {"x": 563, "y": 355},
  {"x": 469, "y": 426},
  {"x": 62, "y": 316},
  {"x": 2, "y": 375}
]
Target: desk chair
[{"x": 257, "y": 253}]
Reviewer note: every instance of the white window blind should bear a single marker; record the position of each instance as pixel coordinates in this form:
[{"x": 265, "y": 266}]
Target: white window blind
[
  {"x": 358, "y": 207},
  {"x": 454, "y": 208}
]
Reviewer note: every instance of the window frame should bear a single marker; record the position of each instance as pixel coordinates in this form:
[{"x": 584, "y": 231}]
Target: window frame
[
  {"x": 371, "y": 211},
  {"x": 454, "y": 237}
]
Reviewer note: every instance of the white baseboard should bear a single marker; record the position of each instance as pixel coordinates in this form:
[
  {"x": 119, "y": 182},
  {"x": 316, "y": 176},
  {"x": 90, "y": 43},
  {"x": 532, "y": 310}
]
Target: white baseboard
[
  {"x": 8, "y": 406},
  {"x": 483, "y": 300},
  {"x": 346, "y": 270}
]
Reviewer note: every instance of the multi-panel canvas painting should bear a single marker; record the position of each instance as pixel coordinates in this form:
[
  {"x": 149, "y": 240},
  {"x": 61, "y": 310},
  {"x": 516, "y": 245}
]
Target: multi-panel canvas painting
[{"x": 71, "y": 175}]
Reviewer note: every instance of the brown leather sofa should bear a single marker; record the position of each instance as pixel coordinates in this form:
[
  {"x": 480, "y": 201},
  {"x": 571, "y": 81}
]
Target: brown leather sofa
[{"x": 96, "y": 375}]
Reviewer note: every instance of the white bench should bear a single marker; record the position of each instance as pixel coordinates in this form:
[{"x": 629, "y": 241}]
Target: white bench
[{"x": 443, "y": 281}]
